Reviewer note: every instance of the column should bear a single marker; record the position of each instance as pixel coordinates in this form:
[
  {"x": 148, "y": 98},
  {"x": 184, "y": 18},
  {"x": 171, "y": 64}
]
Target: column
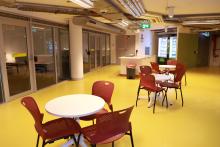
[{"x": 76, "y": 51}]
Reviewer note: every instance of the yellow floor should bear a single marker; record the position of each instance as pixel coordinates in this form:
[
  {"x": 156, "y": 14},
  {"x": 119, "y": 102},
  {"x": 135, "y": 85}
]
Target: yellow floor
[{"x": 197, "y": 124}]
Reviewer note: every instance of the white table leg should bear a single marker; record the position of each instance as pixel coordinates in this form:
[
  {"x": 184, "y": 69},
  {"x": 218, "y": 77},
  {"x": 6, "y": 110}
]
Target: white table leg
[
  {"x": 71, "y": 141},
  {"x": 159, "y": 99}
]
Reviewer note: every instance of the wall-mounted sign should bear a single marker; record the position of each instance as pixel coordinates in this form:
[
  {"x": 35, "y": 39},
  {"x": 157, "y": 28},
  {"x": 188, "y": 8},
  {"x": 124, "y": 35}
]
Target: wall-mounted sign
[{"x": 145, "y": 25}]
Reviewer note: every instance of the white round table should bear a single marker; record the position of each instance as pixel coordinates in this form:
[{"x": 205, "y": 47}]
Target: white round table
[
  {"x": 170, "y": 67},
  {"x": 162, "y": 77},
  {"x": 75, "y": 106}
]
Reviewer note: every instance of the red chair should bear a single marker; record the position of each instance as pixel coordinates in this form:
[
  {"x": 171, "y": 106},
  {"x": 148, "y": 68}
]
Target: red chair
[
  {"x": 155, "y": 68},
  {"x": 147, "y": 82},
  {"x": 176, "y": 84},
  {"x": 172, "y": 62},
  {"x": 175, "y": 62},
  {"x": 52, "y": 130},
  {"x": 103, "y": 89},
  {"x": 144, "y": 69},
  {"x": 109, "y": 127}
]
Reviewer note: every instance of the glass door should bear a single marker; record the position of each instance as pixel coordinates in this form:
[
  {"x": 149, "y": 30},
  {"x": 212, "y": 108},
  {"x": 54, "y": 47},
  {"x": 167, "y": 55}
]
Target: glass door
[
  {"x": 108, "y": 51},
  {"x": 16, "y": 58},
  {"x": 92, "y": 51},
  {"x": 44, "y": 60},
  {"x": 98, "y": 49},
  {"x": 102, "y": 46},
  {"x": 86, "y": 53}
]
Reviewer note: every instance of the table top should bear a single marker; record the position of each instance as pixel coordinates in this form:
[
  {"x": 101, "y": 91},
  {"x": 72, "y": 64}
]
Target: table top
[
  {"x": 162, "y": 77},
  {"x": 167, "y": 66},
  {"x": 75, "y": 106}
]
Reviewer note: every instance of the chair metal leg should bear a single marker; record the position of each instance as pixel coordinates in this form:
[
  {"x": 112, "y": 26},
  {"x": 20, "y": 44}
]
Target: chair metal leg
[
  {"x": 185, "y": 80},
  {"x": 148, "y": 94},
  {"x": 138, "y": 94},
  {"x": 181, "y": 95},
  {"x": 113, "y": 144},
  {"x": 43, "y": 144},
  {"x": 176, "y": 93},
  {"x": 163, "y": 99},
  {"x": 155, "y": 101},
  {"x": 37, "y": 140},
  {"x": 131, "y": 136},
  {"x": 93, "y": 145}
]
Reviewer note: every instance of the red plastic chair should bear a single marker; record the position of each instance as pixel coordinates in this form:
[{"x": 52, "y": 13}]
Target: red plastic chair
[
  {"x": 155, "y": 68},
  {"x": 172, "y": 62},
  {"x": 147, "y": 82},
  {"x": 103, "y": 89},
  {"x": 52, "y": 130},
  {"x": 109, "y": 127},
  {"x": 175, "y": 62},
  {"x": 144, "y": 69},
  {"x": 176, "y": 84}
]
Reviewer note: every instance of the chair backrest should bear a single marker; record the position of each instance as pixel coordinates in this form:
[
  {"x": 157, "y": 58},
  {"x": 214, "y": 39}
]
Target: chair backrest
[
  {"x": 180, "y": 71},
  {"x": 145, "y": 69},
  {"x": 31, "y": 105},
  {"x": 103, "y": 89},
  {"x": 113, "y": 123},
  {"x": 172, "y": 62},
  {"x": 155, "y": 66},
  {"x": 148, "y": 81}
]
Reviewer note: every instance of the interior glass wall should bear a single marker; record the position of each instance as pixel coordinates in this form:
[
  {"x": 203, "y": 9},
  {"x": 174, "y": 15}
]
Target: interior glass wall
[
  {"x": 16, "y": 51},
  {"x": 96, "y": 50},
  {"x": 62, "y": 53},
  {"x": 44, "y": 55},
  {"x": 86, "y": 53},
  {"x": 108, "y": 51}
]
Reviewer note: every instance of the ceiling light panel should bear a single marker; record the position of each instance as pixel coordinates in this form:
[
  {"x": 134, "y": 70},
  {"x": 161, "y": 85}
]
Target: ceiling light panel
[
  {"x": 211, "y": 22},
  {"x": 135, "y": 7},
  {"x": 84, "y": 3}
]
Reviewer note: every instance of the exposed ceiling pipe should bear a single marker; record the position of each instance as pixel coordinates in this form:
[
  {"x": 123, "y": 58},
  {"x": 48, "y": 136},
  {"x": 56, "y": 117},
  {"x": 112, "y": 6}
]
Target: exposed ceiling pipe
[
  {"x": 7, "y": 3},
  {"x": 51, "y": 9}
]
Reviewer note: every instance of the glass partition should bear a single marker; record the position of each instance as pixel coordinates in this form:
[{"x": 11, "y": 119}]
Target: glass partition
[
  {"x": 86, "y": 53},
  {"x": 62, "y": 47},
  {"x": 16, "y": 51},
  {"x": 96, "y": 50},
  {"x": 44, "y": 55},
  {"x": 108, "y": 50}
]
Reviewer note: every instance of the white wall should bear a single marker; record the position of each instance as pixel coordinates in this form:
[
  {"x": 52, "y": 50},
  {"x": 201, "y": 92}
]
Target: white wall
[{"x": 144, "y": 39}]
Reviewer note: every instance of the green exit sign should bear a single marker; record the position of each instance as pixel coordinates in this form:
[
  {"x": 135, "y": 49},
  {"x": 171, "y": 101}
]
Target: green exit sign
[{"x": 145, "y": 26}]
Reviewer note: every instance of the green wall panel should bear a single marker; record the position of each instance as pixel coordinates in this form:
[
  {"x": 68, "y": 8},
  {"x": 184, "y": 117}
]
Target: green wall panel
[{"x": 187, "y": 48}]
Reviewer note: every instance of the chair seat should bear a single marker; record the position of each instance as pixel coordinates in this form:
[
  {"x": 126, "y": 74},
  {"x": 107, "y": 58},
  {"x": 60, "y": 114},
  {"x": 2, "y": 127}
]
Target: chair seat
[
  {"x": 153, "y": 89},
  {"x": 169, "y": 85},
  {"x": 95, "y": 138},
  {"x": 93, "y": 116},
  {"x": 58, "y": 128}
]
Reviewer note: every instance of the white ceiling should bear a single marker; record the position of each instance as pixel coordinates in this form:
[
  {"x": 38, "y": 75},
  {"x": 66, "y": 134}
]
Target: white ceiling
[
  {"x": 183, "y": 6},
  {"x": 158, "y": 6},
  {"x": 113, "y": 12}
]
